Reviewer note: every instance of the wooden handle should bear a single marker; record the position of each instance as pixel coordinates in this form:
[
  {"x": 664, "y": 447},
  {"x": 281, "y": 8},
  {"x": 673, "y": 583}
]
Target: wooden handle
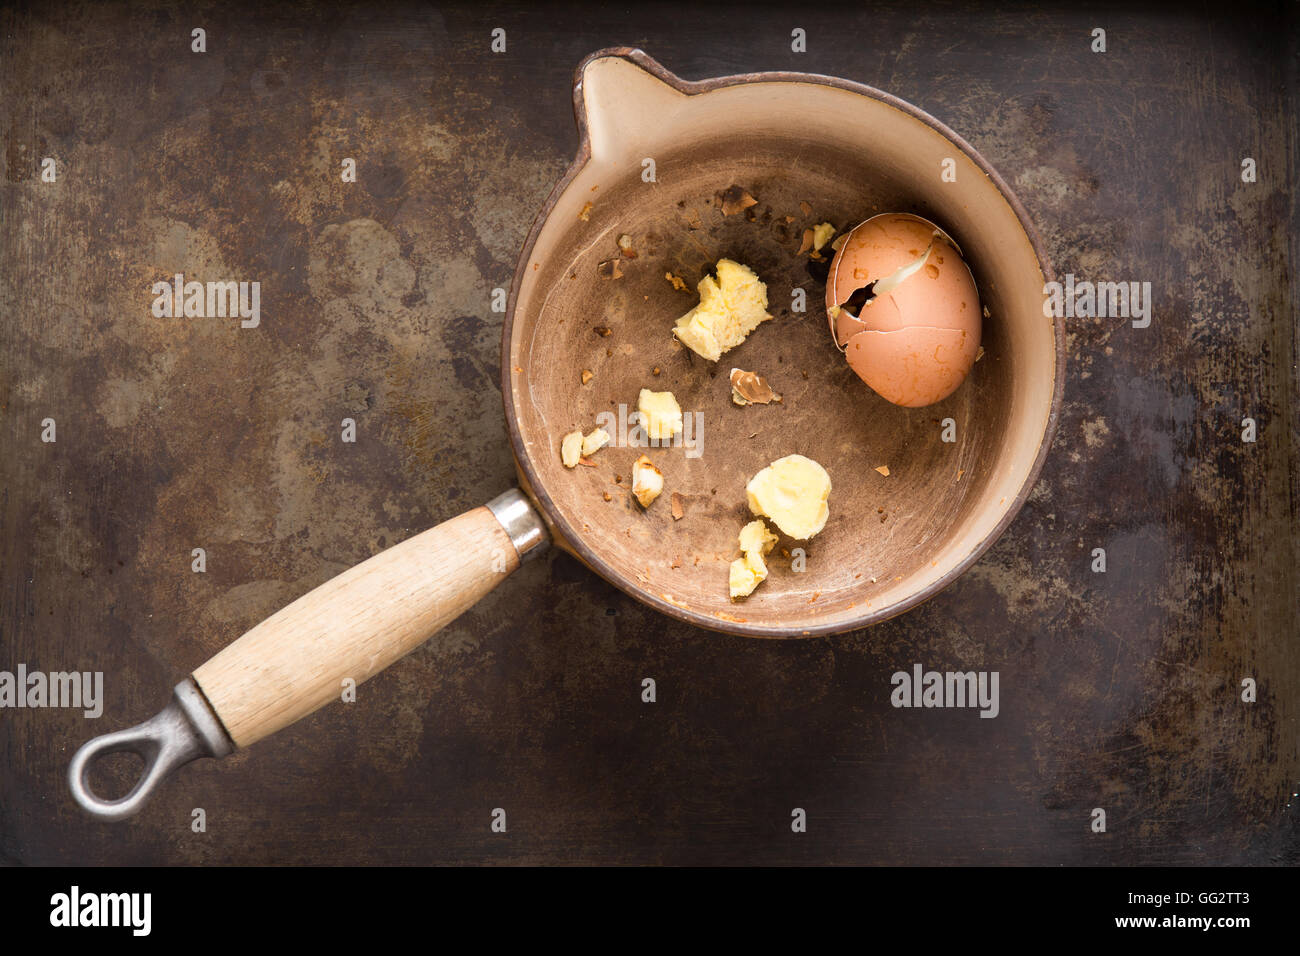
[{"x": 354, "y": 625}]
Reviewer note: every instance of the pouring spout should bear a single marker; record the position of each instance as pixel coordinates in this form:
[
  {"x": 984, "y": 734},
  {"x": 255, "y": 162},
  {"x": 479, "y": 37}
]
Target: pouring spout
[
  {"x": 625, "y": 101},
  {"x": 186, "y": 729}
]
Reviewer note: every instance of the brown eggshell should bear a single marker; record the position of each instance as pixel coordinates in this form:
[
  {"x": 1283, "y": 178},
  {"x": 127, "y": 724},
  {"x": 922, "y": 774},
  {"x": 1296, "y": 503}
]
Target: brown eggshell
[
  {"x": 874, "y": 249},
  {"x": 913, "y": 367},
  {"x": 886, "y": 243},
  {"x": 940, "y": 296}
]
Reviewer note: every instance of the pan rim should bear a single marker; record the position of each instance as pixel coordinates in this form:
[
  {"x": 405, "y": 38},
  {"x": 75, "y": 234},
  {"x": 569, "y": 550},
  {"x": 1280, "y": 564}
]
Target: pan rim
[{"x": 532, "y": 480}]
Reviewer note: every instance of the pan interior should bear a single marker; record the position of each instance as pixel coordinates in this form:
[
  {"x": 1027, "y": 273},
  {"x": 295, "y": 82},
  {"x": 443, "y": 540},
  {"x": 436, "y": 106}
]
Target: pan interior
[{"x": 887, "y": 537}]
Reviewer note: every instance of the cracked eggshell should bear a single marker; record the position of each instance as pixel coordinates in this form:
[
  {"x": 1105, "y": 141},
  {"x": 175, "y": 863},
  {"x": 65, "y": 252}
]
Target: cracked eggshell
[
  {"x": 915, "y": 343},
  {"x": 912, "y": 367}
]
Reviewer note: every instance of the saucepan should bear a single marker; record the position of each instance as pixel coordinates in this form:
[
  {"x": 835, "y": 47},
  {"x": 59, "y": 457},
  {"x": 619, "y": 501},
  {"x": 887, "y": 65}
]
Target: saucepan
[{"x": 588, "y": 324}]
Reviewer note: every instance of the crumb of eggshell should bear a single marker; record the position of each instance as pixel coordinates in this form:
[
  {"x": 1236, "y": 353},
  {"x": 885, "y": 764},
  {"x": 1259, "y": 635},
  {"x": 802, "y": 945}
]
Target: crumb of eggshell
[
  {"x": 751, "y": 388},
  {"x": 734, "y": 200}
]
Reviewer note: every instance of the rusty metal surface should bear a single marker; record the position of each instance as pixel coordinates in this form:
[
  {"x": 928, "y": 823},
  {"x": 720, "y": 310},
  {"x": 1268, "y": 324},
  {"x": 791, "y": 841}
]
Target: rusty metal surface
[{"x": 1119, "y": 690}]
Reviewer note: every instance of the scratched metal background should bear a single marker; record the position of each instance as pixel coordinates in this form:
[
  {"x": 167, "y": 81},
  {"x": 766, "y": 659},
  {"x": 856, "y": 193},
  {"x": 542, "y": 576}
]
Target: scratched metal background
[{"x": 1118, "y": 690}]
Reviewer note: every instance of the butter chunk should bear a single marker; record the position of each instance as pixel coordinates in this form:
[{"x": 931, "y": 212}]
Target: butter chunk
[
  {"x": 571, "y": 449},
  {"x": 755, "y": 537},
  {"x": 731, "y": 306},
  {"x": 661, "y": 416},
  {"x": 746, "y": 574},
  {"x": 793, "y": 492},
  {"x": 822, "y": 233},
  {"x": 647, "y": 481},
  {"x": 749, "y": 571},
  {"x": 594, "y": 442}
]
